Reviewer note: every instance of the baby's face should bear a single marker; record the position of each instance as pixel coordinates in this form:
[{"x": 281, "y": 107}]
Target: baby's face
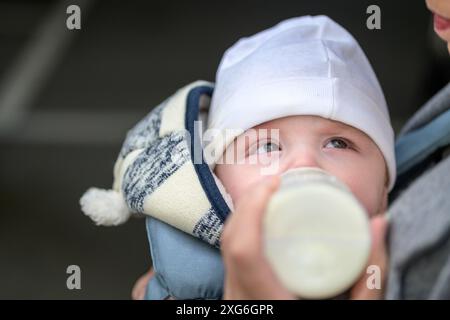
[{"x": 307, "y": 141}]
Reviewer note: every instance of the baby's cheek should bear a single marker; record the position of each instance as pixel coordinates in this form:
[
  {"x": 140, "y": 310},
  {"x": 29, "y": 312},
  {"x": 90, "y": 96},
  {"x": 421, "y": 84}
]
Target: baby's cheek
[
  {"x": 370, "y": 197},
  {"x": 367, "y": 202},
  {"x": 361, "y": 188},
  {"x": 236, "y": 179}
]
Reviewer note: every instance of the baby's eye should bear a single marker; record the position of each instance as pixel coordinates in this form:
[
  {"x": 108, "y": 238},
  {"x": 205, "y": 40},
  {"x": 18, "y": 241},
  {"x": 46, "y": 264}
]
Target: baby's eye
[
  {"x": 267, "y": 147},
  {"x": 337, "y": 143}
]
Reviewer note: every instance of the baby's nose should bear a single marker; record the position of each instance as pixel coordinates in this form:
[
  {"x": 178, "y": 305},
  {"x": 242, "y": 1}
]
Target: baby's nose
[{"x": 302, "y": 157}]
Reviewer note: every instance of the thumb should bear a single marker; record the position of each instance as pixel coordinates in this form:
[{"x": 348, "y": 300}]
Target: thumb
[{"x": 371, "y": 284}]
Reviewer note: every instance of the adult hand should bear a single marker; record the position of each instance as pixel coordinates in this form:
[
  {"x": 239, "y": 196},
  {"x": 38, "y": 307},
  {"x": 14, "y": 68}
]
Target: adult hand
[
  {"x": 247, "y": 272},
  {"x": 138, "y": 292},
  {"x": 378, "y": 257}
]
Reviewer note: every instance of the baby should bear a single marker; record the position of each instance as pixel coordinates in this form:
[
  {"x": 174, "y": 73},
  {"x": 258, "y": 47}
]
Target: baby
[
  {"x": 303, "y": 141},
  {"x": 300, "y": 94}
]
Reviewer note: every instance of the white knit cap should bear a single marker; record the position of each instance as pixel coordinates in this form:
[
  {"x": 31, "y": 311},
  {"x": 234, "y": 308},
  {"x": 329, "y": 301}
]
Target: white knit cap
[{"x": 301, "y": 66}]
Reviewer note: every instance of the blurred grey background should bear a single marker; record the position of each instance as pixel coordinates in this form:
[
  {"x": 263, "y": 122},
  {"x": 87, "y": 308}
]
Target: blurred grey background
[{"x": 67, "y": 98}]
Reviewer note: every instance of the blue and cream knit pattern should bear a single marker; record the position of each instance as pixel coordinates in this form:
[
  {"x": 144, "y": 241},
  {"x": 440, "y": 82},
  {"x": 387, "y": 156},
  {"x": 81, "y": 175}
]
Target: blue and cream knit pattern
[{"x": 155, "y": 173}]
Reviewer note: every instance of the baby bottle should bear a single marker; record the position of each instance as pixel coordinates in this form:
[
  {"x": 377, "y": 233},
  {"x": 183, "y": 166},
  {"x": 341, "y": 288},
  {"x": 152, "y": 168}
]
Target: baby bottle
[{"x": 316, "y": 234}]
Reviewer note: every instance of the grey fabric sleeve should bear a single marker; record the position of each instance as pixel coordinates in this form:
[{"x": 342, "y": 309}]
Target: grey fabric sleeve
[
  {"x": 419, "y": 238},
  {"x": 433, "y": 108}
]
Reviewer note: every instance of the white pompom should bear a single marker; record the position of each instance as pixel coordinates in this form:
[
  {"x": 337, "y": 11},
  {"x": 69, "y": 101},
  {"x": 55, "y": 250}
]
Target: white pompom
[{"x": 104, "y": 207}]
